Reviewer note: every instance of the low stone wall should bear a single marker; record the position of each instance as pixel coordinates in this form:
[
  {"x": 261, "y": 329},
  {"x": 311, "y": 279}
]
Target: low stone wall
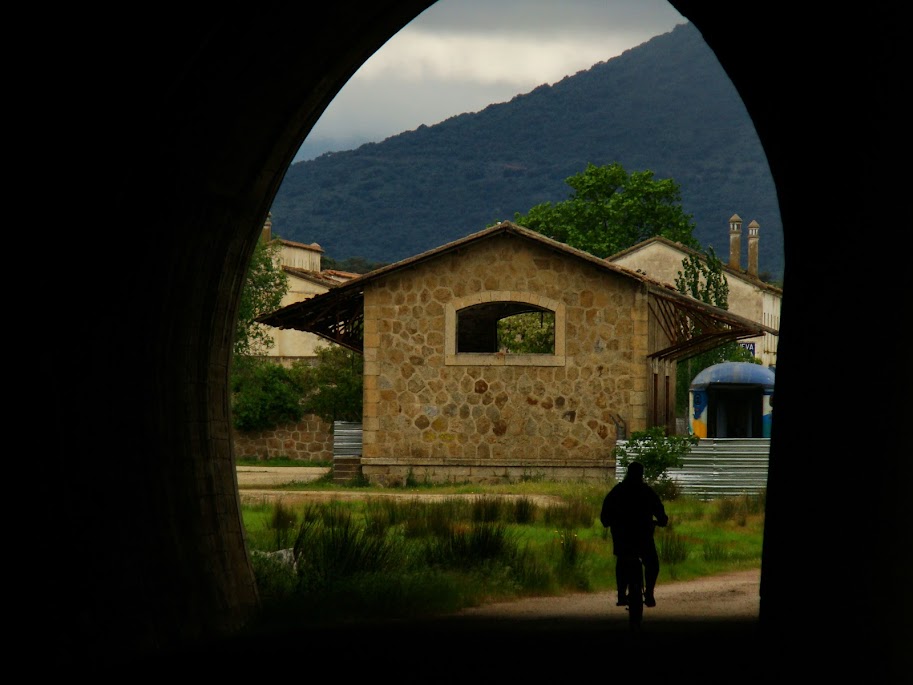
[
  {"x": 311, "y": 439},
  {"x": 395, "y": 473}
]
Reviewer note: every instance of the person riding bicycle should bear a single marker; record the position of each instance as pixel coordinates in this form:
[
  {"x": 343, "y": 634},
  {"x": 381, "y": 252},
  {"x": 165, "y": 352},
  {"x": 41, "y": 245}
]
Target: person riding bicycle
[{"x": 628, "y": 510}]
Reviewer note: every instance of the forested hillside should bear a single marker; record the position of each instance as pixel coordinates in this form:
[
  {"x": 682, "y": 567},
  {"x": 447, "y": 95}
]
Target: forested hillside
[{"x": 665, "y": 106}]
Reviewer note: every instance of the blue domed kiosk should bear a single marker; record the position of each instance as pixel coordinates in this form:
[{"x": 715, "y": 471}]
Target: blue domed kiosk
[{"x": 732, "y": 400}]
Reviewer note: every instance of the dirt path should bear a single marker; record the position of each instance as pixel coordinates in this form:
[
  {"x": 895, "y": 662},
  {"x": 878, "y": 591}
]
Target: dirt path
[
  {"x": 726, "y": 596},
  {"x": 258, "y": 484}
]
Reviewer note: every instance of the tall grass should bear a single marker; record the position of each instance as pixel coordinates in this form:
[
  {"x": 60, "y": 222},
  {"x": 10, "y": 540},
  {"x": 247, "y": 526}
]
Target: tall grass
[{"x": 400, "y": 557}]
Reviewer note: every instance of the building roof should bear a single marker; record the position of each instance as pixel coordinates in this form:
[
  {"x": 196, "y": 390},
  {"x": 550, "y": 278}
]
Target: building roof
[
  {"x": 313, "y": 247},
  {"x": 735, "y": 273},
  {"x": 338, "y": 275},
  {"x": 338, "y": 314},
  {"x": 313, "y": 276},
  {"x": 742, "y": 373}
]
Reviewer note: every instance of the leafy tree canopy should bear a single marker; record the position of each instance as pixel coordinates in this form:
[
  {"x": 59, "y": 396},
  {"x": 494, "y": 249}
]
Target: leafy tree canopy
[
  {"x": 610, "y": 210},
  {"x": 703, "y": 279},
  {"x": 333, "y": 385},
  {"x": 265, "y": 286},
  {"x": 265, "y": 394},
  {"x": 529, "y": 333}
]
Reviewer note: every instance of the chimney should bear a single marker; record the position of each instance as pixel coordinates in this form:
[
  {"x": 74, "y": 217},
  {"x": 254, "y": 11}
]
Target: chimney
[
  {"x": 753, "y": 248},
  {"x": 735, "y": 241},
  {"x": 267, "y": 233}
]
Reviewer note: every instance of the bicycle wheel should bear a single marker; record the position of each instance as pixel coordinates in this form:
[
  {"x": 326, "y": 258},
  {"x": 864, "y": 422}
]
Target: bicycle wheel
[{"x": 635, "y": 594}]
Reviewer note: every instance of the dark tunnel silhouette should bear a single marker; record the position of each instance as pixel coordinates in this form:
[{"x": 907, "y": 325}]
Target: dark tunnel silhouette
[{"x": 163, "y": 139}]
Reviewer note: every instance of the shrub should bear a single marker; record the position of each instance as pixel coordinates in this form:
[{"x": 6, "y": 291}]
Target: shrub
[
  {"x": 264, "y": 394},
  {"x": 738, "y": 508},
  {"x": 473, "y": 546},
  {"x": 672, "y": 548},
  {"x": 332, "y": 387},
  {"x": 658, "y": 453},
  {"x": 326, "y": 553},
  {"x": 578, "y": 512},
  {"x": 523, "y": 511},
  {"x": 282, "y": 521},
  {"x": 486, "y": 509}
]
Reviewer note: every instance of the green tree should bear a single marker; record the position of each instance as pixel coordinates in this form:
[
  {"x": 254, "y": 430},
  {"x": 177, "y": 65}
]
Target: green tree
[
  {"x": 703, "y": 279},
  {"x": 265, "y": 394},
  {"x": 610, "y": 210},
  {"x": 332, "y": 387},
  {"x": 529, "y": 333},
  {"x": 264, "y": 287}
]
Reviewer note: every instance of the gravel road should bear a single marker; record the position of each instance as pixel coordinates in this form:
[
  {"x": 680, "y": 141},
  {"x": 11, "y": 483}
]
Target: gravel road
[{"x": 725, "y": 596}]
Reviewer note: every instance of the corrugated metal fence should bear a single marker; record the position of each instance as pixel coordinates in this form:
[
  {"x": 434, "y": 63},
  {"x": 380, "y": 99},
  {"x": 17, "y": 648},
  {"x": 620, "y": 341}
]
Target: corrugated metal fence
[
  {"x": 717, "y": 467},
  {"x": 346, "y": 438}
]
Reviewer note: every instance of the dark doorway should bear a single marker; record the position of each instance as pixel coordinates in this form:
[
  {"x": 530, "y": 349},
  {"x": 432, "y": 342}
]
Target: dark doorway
[{"x": 735, "y": 411}]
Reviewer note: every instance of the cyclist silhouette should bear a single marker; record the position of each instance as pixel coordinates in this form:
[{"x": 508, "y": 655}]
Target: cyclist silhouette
[{"x": 628, "y": 510}]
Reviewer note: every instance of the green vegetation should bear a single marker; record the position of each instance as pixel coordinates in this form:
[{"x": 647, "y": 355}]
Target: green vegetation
[
  {"x": 703, "y": 279},
  {"x": 264, "y": 287},
  {"x": 406, "y": 557},
  {"x": 265, "y": 394},
  {"x": 658, "y": 453},
  {"x": 333, "y": 385},
  {"x": 528, "y": 333},
  {"x": 610, "y": 210}
]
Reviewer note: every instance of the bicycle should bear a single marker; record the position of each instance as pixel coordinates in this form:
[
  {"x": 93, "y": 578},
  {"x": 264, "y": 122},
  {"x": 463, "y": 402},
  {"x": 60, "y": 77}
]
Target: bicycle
[
  {"x": 634, "y": 590},
  {"x": 634, "y": 587}
]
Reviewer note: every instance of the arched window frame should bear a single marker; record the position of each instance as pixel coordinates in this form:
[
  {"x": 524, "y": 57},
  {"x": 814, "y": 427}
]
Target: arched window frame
[{"x": 451, "y": 315}]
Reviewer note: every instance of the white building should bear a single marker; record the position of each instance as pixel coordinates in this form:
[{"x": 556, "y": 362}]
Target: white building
[
  {"x": 661, "y": 259},
  {"x": 302, "y": 266}
]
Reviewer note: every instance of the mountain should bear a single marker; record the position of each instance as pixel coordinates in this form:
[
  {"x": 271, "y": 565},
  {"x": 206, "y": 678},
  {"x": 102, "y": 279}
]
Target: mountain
[{"x": 666, "y": 106}]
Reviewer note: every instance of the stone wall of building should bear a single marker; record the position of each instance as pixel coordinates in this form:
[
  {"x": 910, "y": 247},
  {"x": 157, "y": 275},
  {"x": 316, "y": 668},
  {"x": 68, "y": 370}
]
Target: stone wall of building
[
  {"x": 433, "y": 414},
  {"x": 311, "y": 439}
]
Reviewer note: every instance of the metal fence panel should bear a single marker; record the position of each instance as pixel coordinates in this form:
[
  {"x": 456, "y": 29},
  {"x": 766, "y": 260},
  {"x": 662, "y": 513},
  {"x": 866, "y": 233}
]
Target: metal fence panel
[
  {"x": 718, "y": 467},
  {"x": 346, "y": 438}
]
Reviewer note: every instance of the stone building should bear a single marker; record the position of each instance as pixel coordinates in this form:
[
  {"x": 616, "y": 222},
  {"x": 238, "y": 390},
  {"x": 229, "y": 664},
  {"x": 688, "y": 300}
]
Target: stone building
[
  {"x": 749, "y": 296},
  {"x": 443, "y": 403}
]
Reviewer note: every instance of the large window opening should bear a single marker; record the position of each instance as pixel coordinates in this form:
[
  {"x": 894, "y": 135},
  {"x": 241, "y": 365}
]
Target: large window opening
[
  {"x": 508, "y": 327},
  {"x": 505, "y": 328}
]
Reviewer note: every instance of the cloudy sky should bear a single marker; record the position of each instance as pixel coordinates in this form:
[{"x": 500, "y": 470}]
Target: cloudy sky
[{"x": 460, "y": 56}]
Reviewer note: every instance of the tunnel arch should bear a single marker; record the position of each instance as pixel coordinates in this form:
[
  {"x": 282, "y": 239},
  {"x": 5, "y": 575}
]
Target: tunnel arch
[{"x": 222, "y": 103}]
